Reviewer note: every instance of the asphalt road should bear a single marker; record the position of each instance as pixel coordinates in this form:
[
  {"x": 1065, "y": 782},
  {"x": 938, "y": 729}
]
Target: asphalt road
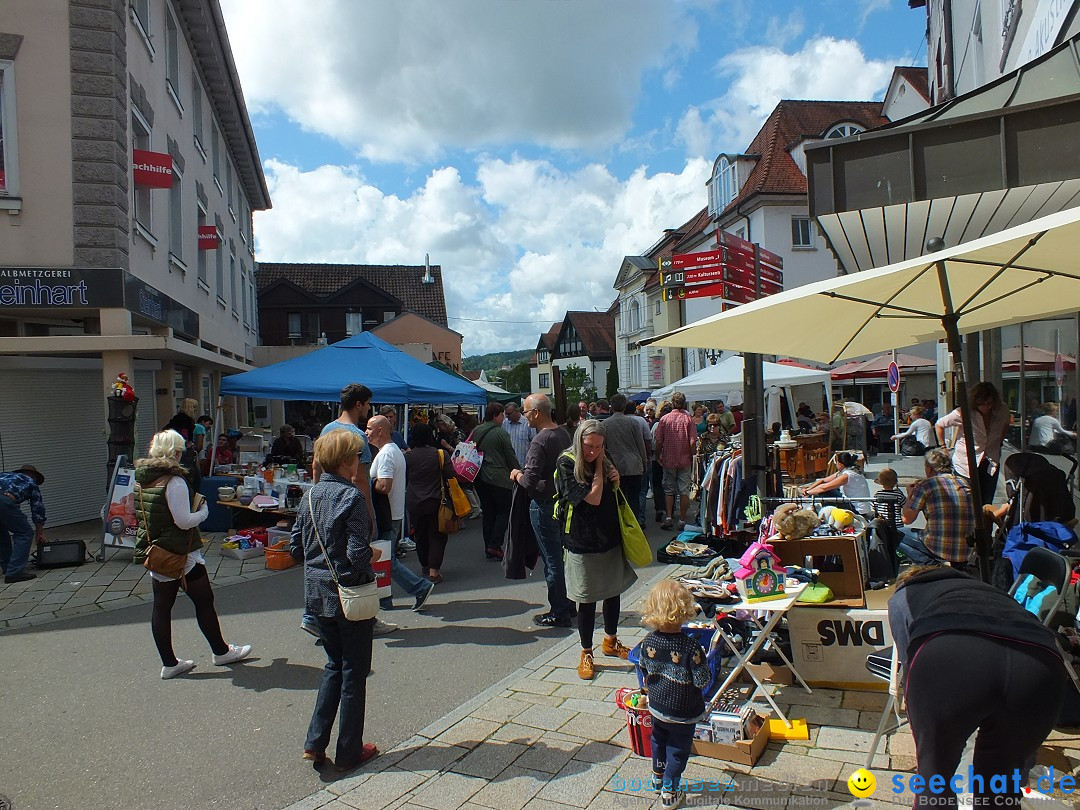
[{"x": 87, "y": 722}]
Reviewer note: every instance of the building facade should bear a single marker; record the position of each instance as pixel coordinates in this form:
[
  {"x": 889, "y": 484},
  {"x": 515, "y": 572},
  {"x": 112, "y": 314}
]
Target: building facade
[
  {"x": 587, "y": 340},
  {"x": 540, "y": 362},
  {"x": 128, "y": 174}
]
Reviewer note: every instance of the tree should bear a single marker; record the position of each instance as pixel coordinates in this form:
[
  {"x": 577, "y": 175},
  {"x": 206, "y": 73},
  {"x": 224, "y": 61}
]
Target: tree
[
  {"x": 518, "y": 379},
  {"x": 612, "y": 379},
  {"x": 574, "y": 384}
]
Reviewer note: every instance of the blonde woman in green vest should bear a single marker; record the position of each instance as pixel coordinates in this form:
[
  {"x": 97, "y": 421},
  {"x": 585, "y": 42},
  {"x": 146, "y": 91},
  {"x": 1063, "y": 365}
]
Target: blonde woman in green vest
[{"x": 163, "y": 501}]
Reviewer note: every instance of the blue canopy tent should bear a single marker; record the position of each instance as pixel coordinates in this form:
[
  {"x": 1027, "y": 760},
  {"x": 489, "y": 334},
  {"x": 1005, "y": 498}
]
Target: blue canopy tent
[{"x": 392, "y": 375}]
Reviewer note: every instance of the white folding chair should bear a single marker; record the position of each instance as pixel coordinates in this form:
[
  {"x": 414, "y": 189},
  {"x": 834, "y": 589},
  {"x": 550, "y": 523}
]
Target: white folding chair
[{"x": 885, "y": 664}]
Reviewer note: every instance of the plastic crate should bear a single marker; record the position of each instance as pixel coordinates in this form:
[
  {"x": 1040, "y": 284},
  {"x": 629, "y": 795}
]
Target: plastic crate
[
  {"x": 278, "y": 557},
  {"x": 242, "y": 553}
]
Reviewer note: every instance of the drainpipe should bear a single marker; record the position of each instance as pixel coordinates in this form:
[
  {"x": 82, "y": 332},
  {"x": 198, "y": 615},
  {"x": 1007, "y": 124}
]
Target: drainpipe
[{"x": 947, "y": 36}]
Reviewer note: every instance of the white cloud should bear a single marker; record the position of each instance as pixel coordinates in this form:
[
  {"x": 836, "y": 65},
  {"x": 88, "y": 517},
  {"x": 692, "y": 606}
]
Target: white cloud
[
  {"x": 525, "y": 243},
  {"x": 409, "y": 79},
  {"x": 759, "y": 77}
]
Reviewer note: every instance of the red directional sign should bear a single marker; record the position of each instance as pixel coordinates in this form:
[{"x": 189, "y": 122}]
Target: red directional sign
[
  {"x": 731, "y": 241},
  {"x": 682, "y": 260},
  {"x": 736, "y": 258},
  {"x": 700, "y": 291}
]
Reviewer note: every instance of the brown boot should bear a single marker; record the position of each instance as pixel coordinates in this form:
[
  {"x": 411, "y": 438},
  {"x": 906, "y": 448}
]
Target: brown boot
[
  {"x": 613, "y": 648},
  {"x": 585, "y": 668}
]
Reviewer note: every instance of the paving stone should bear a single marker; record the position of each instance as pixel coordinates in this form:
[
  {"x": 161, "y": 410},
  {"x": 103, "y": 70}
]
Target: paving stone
[
  {"x": 864, "y": 701},
  {"x": 538, "y": 687},
  {"x": 819, "y": 697},
  {"x": 577, "y": 783},
  {"x": 431, "y": 758},
  {"x": 614, "y": 680},
  {"x": 545, "y": 717},
  {"x": 447, "y": 791},
  {"x": 313, "y": 802},
  {"x": 592, "y": 727},
  {"x": 541, "y": 700},
  {"x": 469, "y": 732},
  {"x": 601, "y": 752},
  {"x": 801, "y": 770},
  {"x": 561, "y": 675},
  {"x": 868, "y": 720},
  {"x": 902, "y": 743},
  {"x": 381, "y": 789},
  {"x": 583, "y": 690},
  {"x": 111, "y": 597},
  {"x": 513, "y": 732},
  {"x": 512, "y": 789},
  {"x": 489, "y": 759},
  {"x": 549, "y": 754},
  {"x": 824, "y": 716},
  {"x": 500, "y": 709},
  {"x": 18, "y": 611},
  {"x": 881, "y": 759},
  {"x": 609, "y": 800},
  {"x": 601, "y": 708},
  {"x": 845, "y": 739},
  {"x": 902, "y": 762},
  {"x": 545, "y": 804}
]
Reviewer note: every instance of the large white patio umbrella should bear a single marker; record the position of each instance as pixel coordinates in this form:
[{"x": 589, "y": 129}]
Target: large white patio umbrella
[{"x": 1028, "y": 272}]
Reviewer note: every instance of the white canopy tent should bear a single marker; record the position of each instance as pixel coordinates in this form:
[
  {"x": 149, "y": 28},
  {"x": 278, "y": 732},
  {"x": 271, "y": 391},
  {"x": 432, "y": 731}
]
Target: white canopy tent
[{"x": 725, "y": 381}]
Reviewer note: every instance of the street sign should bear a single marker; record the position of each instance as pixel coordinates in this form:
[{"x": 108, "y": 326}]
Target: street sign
[
  {"x": 683, "y": 260},
  {"x": 700, "y": 291},
  {"x": 731, "y": 241},
  {"x": 722, "y": 272},
  {"x": 1059, "y": 370},
  {"x": 894, "y": 377},
  {"x": 737, "y": 258}
]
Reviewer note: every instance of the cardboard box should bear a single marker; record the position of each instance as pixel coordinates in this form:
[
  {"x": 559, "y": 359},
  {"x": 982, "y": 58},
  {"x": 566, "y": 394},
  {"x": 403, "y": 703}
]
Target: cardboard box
[
  {"x": 829, "y": 646},
  {"x": 744, "y": 752},
  {"x": 846, "y": 584},
  {"x": 769, "y": 673}
]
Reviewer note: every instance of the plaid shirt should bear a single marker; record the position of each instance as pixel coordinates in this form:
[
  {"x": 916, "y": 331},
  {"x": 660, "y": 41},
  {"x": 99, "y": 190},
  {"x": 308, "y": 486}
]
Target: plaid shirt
[
  {"x": 946, "y": 502},
  {"x": 24, "y": 488},
  {"x": 676, "y": 436}
]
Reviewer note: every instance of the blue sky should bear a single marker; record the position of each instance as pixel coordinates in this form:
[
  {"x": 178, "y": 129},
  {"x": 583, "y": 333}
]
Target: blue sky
[{"x": 526, "y": 145}]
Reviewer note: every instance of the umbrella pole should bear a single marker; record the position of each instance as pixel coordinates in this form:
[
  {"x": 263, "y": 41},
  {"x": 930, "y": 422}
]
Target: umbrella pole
[
  {"x": 753, "y": 423},
  {"x": 955, "y": 344}
]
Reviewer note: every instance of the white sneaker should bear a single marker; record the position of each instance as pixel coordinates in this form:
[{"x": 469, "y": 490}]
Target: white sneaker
[
  {"x": 383, "y": 628},
  {"x": 407, "y": 545},
  {"x": 179, "y": 669},
  {"x": 234, "y": 654},
  {"x": 669, "y": 801}
]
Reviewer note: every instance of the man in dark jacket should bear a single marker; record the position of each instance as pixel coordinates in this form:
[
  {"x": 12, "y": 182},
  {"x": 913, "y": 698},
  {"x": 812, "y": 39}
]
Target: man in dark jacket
[
  {"x": 538, "y": 478},
  {"x": 626, "y": 446}
]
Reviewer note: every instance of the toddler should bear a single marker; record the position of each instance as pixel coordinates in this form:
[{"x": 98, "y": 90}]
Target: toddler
[
  {"x": 889, "y": 500},
  {"x": 674, "y": 670}
]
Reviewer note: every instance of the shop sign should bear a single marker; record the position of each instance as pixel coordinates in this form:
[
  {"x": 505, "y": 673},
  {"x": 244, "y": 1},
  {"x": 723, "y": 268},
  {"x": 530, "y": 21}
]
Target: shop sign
[
  {"x": 209, "y": 238},
  {"x": 656, "y": 370},
  {"x": 152, "y": 169},
  {"x": 142, "y": 299}
]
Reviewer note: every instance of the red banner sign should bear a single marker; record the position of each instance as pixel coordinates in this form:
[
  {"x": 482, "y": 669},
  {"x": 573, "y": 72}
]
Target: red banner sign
[
  {"x": 682, "y": 260},
  {"x": 209, "y": 238},
  {"x": 737, "y": 258},
  {"x": 152, "y": 169},
  {"x": 731, "y": 241}
]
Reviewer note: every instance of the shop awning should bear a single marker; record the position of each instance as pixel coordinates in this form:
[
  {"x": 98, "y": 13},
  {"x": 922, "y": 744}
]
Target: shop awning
[
  {"x": 392, "y": 375},
  {"x": 1004, "y": 154},
  {"x": 879, "y": 366},
  {"x": 725, "y": 380}
]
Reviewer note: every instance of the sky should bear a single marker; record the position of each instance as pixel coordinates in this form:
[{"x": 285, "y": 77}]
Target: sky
[{"x": 526, "y": 145}]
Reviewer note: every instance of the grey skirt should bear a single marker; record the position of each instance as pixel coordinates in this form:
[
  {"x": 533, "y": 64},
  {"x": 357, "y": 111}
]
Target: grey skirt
[{"x": 596, "y": 577}]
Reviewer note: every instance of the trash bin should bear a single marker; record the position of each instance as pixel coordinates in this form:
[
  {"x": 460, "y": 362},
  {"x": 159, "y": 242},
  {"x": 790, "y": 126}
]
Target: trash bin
[{"x": 638, "y": 722}]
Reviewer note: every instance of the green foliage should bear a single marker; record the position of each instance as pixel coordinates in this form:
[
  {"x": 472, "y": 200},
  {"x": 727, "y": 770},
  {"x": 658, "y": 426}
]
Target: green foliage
[
  {"x": 493, "y": 361},
  {"x": 573, "y": 381},
  {"x": 518, "y": 379},
  {"x": 612, "y": 379}
]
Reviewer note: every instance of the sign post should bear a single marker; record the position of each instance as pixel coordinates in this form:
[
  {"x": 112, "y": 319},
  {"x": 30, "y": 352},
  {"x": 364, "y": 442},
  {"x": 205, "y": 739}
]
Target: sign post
[{"x": 894, "y": 386}]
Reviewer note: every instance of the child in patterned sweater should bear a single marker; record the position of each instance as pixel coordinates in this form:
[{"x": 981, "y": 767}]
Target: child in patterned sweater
[{"x": 674, "y": 670}]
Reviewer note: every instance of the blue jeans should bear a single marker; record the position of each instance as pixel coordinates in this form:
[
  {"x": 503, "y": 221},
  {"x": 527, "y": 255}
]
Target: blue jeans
[
  {"x": 16, "y": 536},
  {"x": 343, "y": 690},
  {"x": 549, "y": 541},
  {"x": 670, "y": 750},
  {"x": 912, "y": 546},
  {"x": 400, "y": 573}
]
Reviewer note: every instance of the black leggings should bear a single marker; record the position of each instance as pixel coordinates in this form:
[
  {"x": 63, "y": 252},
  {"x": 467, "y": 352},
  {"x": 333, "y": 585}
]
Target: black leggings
[
  {"x": 200, "y": 594},
  {"x": 586, "y": 618},
  {"x": 962, "y": 682}
]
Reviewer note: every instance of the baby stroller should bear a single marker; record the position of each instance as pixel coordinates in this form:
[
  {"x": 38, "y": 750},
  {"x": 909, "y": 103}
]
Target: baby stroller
[{"x": 1037, "y": 492}]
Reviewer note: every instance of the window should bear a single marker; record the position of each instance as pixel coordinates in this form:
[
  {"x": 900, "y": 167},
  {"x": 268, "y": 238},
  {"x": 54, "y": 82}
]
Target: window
[
  {"x": 244, "y": 310},
  {"x": 722, "y": 185},
  {"x": 196, "y": 112},
  {"x": 172, "y": 58},
  {"x": 294, "y": 324},
  {"x": 140, "y": 13},
  {"x": 801, "y": 233},
  {"x": 215, "y": 154},
  {"x": 658, "y": 307},
  {"x": 635, "y": 316},
  {"x": 545, "y": 380},
  {"x": 200, "y": 260},
  {"x": 219, "y": 262},
  {"x": 254, "y": 298},
  {"x": 140, "y": 139},
  {"x": 354, "y": 323},
  {"x": 243, "y": 220},
  {"x": 542, "y": 356},
  {"x": 843, "y": 131},
  {"x": 229, "y": 183},
  {"x": 176, "y": 216},
  {"x": 232, "y": 277},
  {"x": 9, "y": 152}
]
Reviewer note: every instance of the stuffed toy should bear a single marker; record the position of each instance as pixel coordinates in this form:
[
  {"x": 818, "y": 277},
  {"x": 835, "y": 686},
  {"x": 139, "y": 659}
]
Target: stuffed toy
[
  {"x": 794, "y": 523},
  {"x": 835, "y": 518},
  {"x": 122, "y": 388}
]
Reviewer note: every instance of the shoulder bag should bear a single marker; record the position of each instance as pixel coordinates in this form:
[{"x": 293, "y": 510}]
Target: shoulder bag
[
  {"x": 449, "y": 521},
  {"x": 358, "y": 603},
  {"x": 159, "y": 560},
  {"x": 467, "y": 459},
  {"x": 635, "y": 546}
]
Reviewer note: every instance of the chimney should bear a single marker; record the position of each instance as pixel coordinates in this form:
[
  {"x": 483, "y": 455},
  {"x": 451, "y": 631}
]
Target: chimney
[{"x": 427, "y": 279}]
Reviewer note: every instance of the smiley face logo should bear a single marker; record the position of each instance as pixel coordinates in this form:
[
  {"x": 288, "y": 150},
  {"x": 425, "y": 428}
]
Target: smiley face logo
[{"x": 862, "y": 783}]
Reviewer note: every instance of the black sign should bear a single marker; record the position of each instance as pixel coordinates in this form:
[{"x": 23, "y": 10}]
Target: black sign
[{"x": 49, "y": 288}]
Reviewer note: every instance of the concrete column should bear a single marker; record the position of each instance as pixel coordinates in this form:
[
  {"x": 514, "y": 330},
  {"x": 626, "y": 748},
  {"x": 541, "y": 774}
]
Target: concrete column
[{"x": 166, "y": 408}]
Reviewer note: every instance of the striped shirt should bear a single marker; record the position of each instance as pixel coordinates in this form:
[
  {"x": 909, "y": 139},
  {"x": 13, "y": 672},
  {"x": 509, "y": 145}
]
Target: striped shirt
[
  {"x": 888, "y": 505},
  {"x": 24, "y": 488},
  {"x": 521, "y": 436},
  {"x": 343, "y": 524}
]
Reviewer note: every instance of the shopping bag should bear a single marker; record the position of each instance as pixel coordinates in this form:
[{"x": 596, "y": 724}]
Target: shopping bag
[
  {"x": 382, "y": 567},
  {"x": 467, "y": 459},
  {"x": 449, "y": 522},
  {"x": 635, "y": 546},
  {"x": 462, "y": 507}
]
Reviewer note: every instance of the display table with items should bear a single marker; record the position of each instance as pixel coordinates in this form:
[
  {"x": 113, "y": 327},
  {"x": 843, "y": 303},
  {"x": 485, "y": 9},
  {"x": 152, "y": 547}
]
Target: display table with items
[{"x": 806, "y": 461}]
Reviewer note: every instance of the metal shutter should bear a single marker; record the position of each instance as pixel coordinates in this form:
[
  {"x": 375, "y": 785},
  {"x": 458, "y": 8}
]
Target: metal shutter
[
  {"x": 55, "y": 420},
  {"x": 146, "y": 423}
]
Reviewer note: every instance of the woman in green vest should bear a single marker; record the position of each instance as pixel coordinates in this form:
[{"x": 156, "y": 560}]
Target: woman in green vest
[{"x": 163, "y": 505}]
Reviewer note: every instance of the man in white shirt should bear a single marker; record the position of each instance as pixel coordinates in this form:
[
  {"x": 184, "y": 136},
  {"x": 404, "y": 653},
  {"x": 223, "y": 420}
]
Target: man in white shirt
[
  {"x": 521, "y": 435},
  {"x": 388, "y": 493}
]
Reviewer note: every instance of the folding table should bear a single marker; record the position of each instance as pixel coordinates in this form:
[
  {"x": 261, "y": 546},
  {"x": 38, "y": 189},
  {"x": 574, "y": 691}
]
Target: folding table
[{"x": 765, "y": 616}]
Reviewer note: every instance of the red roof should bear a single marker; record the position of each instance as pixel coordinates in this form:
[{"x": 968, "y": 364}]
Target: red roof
[
  {"x": 472, "y": 375},
  {"x": 597, "y": 332},
  {"x": 791, "y": 122},
  {"x": 917, "y": 77}
]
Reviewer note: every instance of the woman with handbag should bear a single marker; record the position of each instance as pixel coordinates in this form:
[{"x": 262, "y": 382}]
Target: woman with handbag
[
  {"x": 332, "y": 535},
  {"x": 596, "y": 568},
  {"x": 493, "y": 483},
  {"x": 426, "y": 470},
  {"x": 168, "y": 544}
]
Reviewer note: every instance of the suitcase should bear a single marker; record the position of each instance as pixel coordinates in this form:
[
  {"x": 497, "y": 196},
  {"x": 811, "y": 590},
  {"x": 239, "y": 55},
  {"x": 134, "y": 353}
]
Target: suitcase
[{"x": 60, "y": 553}]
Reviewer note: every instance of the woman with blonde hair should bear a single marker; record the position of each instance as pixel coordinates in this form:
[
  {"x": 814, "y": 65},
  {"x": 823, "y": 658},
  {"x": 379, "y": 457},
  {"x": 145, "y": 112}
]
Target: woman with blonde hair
[
  {"x": 163, "y": 507},
  {"x": 333, "y": 527},
  {"x": 596, "y": 569}
]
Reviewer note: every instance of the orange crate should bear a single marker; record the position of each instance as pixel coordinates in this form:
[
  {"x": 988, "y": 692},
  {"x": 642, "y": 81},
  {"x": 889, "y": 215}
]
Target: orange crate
[{"x": 278, "y": 557}]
